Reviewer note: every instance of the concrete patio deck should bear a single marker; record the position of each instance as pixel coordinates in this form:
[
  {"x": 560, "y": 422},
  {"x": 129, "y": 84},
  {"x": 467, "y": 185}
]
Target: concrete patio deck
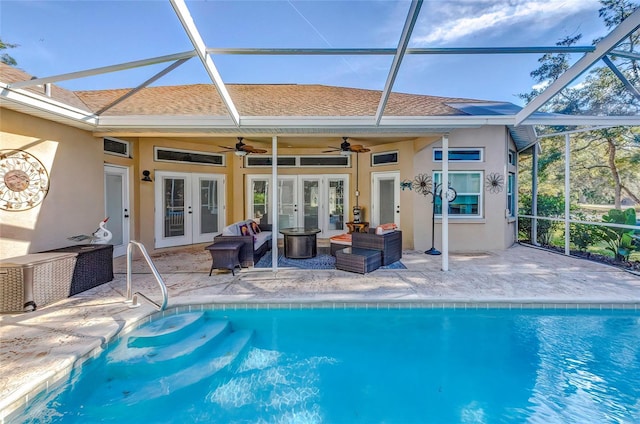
[{"x": 38, "y": 348}]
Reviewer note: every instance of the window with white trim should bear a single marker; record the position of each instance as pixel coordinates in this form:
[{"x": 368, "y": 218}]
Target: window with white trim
[
  {"x": 511, "y": 198},
  {"x": 468, "y": 186},
  {"x": 457, "y": 154},
  {"x": 165, "y": 154},
  {"x": 113, "y": 146}
]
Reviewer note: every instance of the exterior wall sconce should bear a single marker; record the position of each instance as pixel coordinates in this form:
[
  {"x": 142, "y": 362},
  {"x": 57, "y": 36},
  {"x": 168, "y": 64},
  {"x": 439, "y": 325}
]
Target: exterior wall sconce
[{"x": 146, "y": 176}]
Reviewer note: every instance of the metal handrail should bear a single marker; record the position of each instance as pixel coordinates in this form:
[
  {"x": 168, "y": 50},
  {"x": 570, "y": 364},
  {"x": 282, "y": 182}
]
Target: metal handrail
[{"x": 133, "y": 297}]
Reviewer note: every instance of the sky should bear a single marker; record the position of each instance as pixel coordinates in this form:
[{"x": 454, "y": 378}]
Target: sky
[{"x": 57, "y": 37}]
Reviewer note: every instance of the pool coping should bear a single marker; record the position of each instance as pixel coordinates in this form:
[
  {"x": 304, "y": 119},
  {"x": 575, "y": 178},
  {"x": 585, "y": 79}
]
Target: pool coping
[{"x": 13, "y": 408}]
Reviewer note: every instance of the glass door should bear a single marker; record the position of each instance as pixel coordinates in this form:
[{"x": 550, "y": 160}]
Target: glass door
[
  {"x": 310, "y": 194},
  {"x": 385, "y": 198},
  {"x": 208, "y": 217},
  {"x": 312, "y": 201},
  {"x": 337, "y": 206},
  {"x": 116, "y": 189},
  {"x": 173, "y": 209},
  {"x": 287, "y": 201},
  {"x": 189, "y": 208}
]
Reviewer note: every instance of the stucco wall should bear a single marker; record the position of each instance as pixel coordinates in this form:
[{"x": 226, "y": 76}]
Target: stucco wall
[
  {"x": 74, "y": 204},
  {"x": 493, "y": 230}
]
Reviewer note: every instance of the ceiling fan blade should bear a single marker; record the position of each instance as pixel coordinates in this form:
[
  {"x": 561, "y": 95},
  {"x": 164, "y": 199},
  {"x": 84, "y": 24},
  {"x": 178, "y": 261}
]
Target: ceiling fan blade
[
  {"x": 227, "y": 147},
  {"x": 259, "y": 151},
  {"x": 359, "y": 149}
]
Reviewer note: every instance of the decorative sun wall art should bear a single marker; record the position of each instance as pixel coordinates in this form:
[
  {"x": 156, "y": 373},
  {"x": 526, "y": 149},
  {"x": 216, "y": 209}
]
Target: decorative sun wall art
[
  {"x": 24, "y": 181},
  {"x": 494, "y": 182}
]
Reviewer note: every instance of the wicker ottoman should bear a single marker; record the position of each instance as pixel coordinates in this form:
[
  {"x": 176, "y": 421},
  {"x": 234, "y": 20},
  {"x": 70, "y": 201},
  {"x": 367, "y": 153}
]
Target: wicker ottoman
[
  {"x": 358, "y": 260},
  {"x": 225, "y": 255},
  {"x": 93, "y": 267},
  {"x": 339, "y": 242},
  {"x": 35, "y": 280}
]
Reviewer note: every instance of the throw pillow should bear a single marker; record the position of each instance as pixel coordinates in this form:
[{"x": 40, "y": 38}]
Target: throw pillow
[
  {"x": 255, "y": 227},
  {"x": 244, "y": 230},
  {"x": 386, "y": 228}
]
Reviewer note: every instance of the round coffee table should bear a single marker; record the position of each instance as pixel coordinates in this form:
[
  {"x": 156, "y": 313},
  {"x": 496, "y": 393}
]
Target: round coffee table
[{"x": 299, "y": 242}]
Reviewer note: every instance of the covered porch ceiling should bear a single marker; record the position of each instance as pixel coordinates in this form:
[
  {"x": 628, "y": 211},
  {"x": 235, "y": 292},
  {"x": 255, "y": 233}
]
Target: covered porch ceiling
[{"x": 320, "y": 130}]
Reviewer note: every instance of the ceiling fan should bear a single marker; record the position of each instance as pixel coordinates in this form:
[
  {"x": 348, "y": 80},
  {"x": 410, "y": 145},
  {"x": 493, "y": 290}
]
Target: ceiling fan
[
  {"x": 347, "y": 148},
  {"x": 242, "y": 149}
]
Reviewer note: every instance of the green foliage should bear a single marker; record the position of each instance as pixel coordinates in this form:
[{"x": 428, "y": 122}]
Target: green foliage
[
  {"x": 583, "y": 235},
  {"x": 4, "y": 57},
  {"x": 550, "y": 206},
  {"x": 620, "y": 241}
]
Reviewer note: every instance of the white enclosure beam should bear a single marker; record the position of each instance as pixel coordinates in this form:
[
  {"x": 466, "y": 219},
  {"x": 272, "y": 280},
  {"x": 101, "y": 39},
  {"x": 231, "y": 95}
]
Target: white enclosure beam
[
  {"x": 626, "y": 55},
  {"x": 389, "y": 52},
  {"x": 621, "y": 77},
  {"x": 273, "y": 198},
  {"x": 623, "y": 30},
  {"x": 444, "y": 203},
  {"x": 567, "y": 205},
  {"x": 180, "y": 7},
  {"x": 534, "y": 196},
  {"x": 151, "y": 80},
  {"x": 104, "y": 70},
  {"x": 412, "y": 17}
]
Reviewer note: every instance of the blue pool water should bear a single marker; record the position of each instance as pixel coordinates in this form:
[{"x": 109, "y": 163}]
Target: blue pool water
[{"x": 361, "y": 366}]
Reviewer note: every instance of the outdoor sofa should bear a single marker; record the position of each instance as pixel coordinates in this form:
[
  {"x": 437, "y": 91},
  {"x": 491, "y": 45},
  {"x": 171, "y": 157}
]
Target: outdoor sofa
[{"x": 256, "y": 239}]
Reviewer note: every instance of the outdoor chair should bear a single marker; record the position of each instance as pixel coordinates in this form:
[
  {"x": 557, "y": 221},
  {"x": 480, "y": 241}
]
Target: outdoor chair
[{"x": 390, "y": 244}]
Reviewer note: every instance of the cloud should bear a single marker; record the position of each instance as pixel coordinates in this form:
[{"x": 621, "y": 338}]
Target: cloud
[{"x": 460, "y": 19}]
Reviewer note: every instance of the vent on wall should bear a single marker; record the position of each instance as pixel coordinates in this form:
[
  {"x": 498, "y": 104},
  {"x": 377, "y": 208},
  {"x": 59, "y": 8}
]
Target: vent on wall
[{"x": 116, "y": 147}]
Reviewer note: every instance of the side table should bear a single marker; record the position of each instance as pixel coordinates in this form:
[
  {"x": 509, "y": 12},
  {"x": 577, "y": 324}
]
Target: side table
[
  {"x": 225, "y": 255},
  {"x": 357, "y": 227}
]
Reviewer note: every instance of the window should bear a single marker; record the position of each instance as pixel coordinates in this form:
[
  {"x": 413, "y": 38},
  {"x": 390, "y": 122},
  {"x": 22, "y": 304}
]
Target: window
[
  {"x": 266, "y": 161},
  {"x": 459, "y": 155},
  {"x": 513, "y": 158},
  {"x": 323, "y": 161},
  {"x": 468, "y": 185},
  {"x": 385, "y": 158},
  {"x": 116, "y": 147},
  {"x": 511, "y": 198},
  {"x": 201, "y": 158}
]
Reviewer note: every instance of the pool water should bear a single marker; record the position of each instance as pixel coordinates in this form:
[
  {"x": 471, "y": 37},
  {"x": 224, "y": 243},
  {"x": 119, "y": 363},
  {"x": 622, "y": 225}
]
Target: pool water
[{"x": 361, "y": 366}]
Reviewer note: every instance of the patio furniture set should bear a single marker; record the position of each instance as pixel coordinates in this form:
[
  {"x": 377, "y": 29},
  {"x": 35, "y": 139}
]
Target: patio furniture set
[{"x": 243, "y": 243}]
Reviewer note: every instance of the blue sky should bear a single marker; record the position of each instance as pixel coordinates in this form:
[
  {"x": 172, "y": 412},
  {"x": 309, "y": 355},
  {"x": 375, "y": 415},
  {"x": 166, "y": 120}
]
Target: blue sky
[{"x": 57, "y": 37}]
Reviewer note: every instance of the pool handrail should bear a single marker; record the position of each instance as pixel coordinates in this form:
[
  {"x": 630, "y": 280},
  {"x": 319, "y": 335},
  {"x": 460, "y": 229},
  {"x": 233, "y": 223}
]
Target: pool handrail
[{"x": 133, "y": 297}]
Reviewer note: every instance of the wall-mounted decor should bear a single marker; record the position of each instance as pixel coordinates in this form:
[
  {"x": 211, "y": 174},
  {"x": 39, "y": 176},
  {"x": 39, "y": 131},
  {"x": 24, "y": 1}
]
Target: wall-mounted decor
[
  {"x": 494, "y": 182},
  {"x": 24, "y": 181}
]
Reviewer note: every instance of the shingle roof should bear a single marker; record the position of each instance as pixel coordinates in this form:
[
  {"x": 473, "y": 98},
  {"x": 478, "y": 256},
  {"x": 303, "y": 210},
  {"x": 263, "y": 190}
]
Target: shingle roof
[
  {"x": 9, "y": 74},
  {"x": 249, "y": 99},
  {"x": 267, "y": 100}
]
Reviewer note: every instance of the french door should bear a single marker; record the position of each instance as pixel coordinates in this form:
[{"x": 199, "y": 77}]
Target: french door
[
  {"x": 116, "y": 201},
  {"x": 310, "y": 201},
  {"x": 189, "y": 208},
  {"x": 385, "y": 198}
]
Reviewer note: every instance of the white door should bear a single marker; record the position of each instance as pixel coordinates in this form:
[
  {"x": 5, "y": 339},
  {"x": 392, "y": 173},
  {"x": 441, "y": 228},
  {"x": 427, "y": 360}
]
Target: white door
[
  {"x": 385, "y": 202},
  {"x": 116, "y": 201},
  {"x": 189, "y": 208},
  {"x": 311, "y": 201}
]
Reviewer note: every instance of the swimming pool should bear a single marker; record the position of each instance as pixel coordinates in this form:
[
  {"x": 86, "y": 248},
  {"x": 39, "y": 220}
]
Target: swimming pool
[{"x": 361, "y": 366}]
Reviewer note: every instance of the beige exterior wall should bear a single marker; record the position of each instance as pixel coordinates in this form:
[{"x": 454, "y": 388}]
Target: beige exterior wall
[
  {"x": 75, "y": 201},
  {"x": 494, "y": 230}
]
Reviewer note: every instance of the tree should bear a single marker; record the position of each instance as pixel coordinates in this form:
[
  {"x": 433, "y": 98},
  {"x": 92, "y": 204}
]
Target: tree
[
  {"x": 605, "y": 162},
  {"x": 4, "y": 57}
]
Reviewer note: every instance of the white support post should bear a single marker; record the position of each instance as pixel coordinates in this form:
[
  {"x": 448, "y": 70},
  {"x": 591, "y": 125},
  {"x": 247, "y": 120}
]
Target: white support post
[
  {"x": 534, "y": 196},
  {"x": 567, "y": 205},
  {"x": 273, "y": 198},
  {"x": 445, "y": 203}
]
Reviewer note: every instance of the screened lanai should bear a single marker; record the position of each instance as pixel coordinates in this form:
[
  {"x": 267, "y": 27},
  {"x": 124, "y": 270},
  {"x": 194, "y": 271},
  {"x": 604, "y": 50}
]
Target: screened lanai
[{"x": 477, "y": 53}]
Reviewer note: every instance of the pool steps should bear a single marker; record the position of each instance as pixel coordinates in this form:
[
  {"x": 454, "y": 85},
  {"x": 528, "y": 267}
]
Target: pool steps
[{"x": 187, "y": 350}]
